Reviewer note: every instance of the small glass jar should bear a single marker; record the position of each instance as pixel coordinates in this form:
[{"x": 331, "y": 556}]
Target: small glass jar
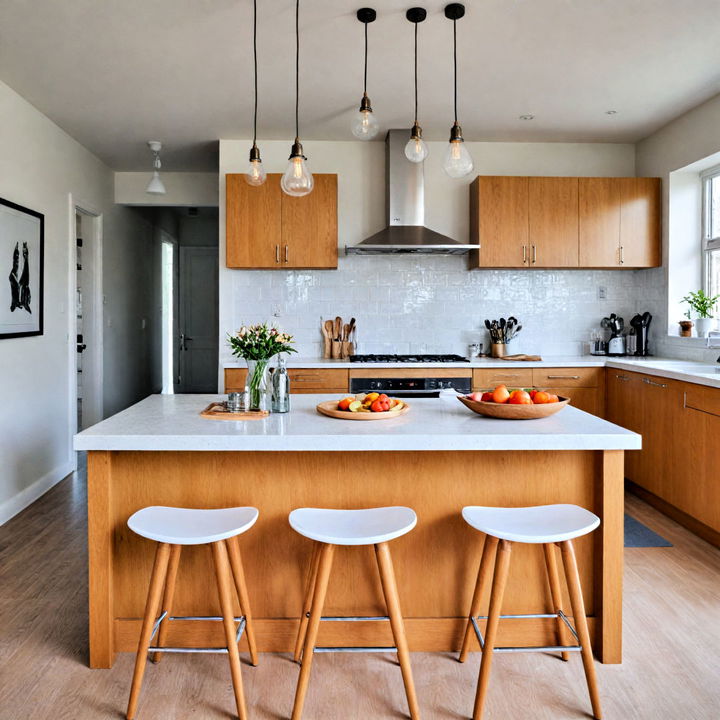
[{"x": 280, "y": 388}]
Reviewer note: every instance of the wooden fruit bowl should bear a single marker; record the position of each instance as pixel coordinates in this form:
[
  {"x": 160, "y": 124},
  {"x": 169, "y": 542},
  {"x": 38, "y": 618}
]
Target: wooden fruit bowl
[
  {"x": 330, "y": 408},
  {"x": 514, "y": 412}
]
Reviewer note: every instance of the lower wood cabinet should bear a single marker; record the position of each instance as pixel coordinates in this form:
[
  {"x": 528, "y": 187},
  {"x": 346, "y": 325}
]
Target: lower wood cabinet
[
  {"x": 676, "y": 470},
  {"x": 302, "y": 380}
]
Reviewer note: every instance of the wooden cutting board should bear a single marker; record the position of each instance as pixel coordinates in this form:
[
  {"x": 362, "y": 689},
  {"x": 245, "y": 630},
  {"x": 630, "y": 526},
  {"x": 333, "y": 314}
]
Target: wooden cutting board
[
  {"x": 330, "y": 408},
  {"x": 521, "y": 357},
  {"x": 218, "y": 411}
]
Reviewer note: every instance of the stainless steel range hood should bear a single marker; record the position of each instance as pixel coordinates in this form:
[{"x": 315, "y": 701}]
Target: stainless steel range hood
[{"x": 405, "y": 201}]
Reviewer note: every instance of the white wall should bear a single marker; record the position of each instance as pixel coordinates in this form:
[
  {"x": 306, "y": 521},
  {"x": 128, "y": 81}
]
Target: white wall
[
  {"x": 686, "y": 140},
  {"x": 194, "y": 189},
  {"x": 40, "y": 165},
  {"x": 424, "y": 303}
]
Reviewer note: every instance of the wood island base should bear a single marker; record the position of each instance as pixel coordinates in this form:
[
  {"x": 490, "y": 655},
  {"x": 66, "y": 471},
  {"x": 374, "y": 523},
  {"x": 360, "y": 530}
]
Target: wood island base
[{"x": 436, "y": 564}]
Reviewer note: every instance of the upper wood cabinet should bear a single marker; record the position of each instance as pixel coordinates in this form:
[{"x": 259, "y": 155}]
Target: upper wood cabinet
[
  {"x": 498, "y": 221},
  {"x": 553, "y": 222},
  {"x": 620, "y": 222},
  {"x": 565, "y": 222},
  {"x": 267, "y": 229}
]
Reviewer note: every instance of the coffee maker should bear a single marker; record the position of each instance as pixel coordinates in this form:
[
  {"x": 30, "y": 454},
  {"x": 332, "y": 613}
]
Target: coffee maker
[{"x": 641, "y": 323}]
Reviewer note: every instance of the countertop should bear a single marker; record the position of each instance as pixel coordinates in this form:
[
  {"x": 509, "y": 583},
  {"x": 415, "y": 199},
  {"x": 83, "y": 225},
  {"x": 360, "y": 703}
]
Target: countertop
[
  {"x": 172, "y": 422},
  {"x": 683, "y": 370}
]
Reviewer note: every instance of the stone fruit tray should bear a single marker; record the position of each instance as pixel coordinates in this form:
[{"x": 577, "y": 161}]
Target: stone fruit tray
[
  {"x": 506, "y": 411},
  {"x": 330, "y": 408}
]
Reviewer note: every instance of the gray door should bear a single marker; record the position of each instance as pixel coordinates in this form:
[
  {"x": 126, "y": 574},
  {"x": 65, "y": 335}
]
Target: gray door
[{"x": 198, "y": 320}]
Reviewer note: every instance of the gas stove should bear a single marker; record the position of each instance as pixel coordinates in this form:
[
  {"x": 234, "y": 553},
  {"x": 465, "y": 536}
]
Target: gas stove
[{"x": 408, "y": 358}]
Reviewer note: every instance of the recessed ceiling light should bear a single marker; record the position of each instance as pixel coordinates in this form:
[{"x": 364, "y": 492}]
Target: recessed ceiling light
[
  {"x": 611, "y": 112},
  {"x": 529, "y": 116}
]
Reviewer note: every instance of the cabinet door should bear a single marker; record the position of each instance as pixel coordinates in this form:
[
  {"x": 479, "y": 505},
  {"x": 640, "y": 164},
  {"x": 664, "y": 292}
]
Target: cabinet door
[
  {"x": 309, "y": 226},
  {"x": 599, "y": 222},
  {"x": 586, "y": 399},
  {"x": 640, "y": 239},
  {"x": 302, "y": 380},
  {"x": 625, "y": 408},
  {"x": 499, "y": 221},
  {"x": 490, "y": 378},
  {"x": 252, "y": 225},
  {"x": 553, "y": 222}
]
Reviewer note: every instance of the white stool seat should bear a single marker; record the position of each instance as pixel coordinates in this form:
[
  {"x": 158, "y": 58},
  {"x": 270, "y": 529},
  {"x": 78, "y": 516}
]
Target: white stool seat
[
  {"x": 539, "y": 524},
  {"x": 186, "y": 526},
  {"x": 353, "y": 527}
]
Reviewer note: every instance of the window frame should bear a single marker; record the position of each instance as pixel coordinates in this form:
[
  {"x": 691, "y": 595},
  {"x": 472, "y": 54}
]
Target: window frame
[{"x": 709, "y": 243}]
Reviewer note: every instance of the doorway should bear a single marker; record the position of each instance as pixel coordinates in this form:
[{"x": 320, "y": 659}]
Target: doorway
[{"x": 86, "y": 320}]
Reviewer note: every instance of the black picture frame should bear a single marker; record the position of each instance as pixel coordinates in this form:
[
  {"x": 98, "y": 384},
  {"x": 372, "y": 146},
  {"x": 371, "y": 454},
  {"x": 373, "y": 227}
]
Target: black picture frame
[{"x": 7, "y": 330}]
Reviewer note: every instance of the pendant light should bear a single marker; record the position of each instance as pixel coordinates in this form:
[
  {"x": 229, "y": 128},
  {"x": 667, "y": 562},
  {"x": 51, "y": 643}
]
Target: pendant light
[
  {"x": 457, "y": 161},
  {"x": 256, "y": 172},
  {"x": 297, "y": 179},
  {"x": 416, "y": 150},
  {"x": 365, "y": 125},
  {"x": 156, "y": 185}
]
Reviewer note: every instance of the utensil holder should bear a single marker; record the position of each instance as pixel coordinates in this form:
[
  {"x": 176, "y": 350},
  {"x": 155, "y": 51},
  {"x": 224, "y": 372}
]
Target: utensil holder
[
  {"x": 345, "y": 349},
  {"x": 498, "y": 350},
  {"x": 327, "y": 342},
  {"x": 336, "y": 349}
]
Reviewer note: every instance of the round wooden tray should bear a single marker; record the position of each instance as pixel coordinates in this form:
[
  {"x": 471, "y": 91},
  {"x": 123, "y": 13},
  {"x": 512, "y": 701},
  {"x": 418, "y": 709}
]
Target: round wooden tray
[
  {"x": 329, "y": 408},
  {"x": 514, "y": 412}
]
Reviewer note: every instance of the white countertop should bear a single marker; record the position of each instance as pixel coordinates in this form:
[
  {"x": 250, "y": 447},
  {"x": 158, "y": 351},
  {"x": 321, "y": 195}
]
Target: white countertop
[
  {"x": 684, "y": 370},
  {"x": 172, "y": 422}
]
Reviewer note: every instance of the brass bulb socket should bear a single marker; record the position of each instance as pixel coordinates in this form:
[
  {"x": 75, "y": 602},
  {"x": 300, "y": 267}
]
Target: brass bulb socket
[
  {"x": 297, "y": 150},
  {"x": 456, "y": 133},
  {"x": 255, "y": 154},
  {"x": 365, "y": 104},
  {"x": 416, "y": 132}
]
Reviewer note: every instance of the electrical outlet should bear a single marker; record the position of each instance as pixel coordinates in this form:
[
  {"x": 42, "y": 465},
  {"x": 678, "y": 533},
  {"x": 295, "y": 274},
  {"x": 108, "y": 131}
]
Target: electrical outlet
[{"x": 602, "y": 292}]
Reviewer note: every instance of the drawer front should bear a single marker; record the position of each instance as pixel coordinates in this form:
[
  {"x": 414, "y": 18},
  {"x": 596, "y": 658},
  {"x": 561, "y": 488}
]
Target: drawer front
[
  {"x": 486, "y": 379},
  {"x": 302, "y": 380},
  {"x": 704, "y": 399},
  {"x": 566, "y": 377},
  {"x": 587, "y": 399},
  {"x": 307, "y": 379}
]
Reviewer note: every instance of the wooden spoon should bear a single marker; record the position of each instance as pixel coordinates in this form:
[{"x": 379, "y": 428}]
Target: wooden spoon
[{"x": 338, "y": 328}]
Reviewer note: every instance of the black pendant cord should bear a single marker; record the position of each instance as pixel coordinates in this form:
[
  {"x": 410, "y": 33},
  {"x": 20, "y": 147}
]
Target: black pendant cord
[
  {"x": 256, "y": 71},
  {"x": 366, "y": 54},
  {"x": 416, "y": 76},
  {"x": 297, "y": 68},
  {"x": 455, "y": 68}
]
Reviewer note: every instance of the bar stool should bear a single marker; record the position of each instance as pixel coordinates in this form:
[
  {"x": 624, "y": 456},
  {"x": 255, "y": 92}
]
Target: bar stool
[
  {"x": 545, "y": 525},
  {"x": 328, "y": 528},
  {"x": 172, "y": 528}
]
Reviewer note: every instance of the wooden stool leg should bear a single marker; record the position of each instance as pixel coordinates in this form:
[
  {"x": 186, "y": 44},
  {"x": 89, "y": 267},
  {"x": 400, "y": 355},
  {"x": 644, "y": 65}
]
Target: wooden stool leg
[
  {"x": 387, "y": 576},
  {"x": 502, "y": 563},
  {"x": 168, "y": 598},
  {"x": 484, "y": 574},
  {"x": 578, "y": 607},
  {"x": 555, "y": 593},
  {"x": 157, "y": 580},
  {"x": 323, "y": 574},
  {"x": 242, "y": 593},
  {"x": 222, "y": 574},
  {"x": 307, "y": 603}
]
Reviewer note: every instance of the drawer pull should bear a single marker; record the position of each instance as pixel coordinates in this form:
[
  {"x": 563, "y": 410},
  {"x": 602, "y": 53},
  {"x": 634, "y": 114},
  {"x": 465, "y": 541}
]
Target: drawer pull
[
  {"x": 524, "y": 254},
  {"x": 563, "y": 377},
  {"x": 534, "y": 254},
  {"x": 286, "y": 254},
  {"x": 305, "y": 378},
  {"x": 653, "y": 383},
  {"x": 277, "y": 253},
  {"x": 624, "y": 378}
]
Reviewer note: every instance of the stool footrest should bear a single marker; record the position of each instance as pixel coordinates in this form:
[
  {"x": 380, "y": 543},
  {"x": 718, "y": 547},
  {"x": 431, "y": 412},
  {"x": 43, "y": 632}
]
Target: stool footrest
[
  {"x": 346, "y": 618},
  {"x": 538, "y": 648},
  {"x": 213, "y": 618},
  {"x": 355, "y": 649}
]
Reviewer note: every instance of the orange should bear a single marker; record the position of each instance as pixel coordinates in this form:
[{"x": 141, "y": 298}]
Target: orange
[
  {"x": 500, "y": 394},
  {"x": 541, "y": 397},
  {"x": 520, "y": 397}
]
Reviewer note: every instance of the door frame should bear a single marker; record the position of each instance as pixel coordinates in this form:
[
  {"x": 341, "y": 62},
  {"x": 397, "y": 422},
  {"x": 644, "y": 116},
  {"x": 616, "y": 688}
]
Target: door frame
[{"x": 96, "y": 296}]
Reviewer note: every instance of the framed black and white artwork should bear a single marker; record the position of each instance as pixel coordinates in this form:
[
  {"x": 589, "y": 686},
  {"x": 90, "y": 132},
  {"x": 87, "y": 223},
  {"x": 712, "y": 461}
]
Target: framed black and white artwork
[{"x": 22, "y": 241}]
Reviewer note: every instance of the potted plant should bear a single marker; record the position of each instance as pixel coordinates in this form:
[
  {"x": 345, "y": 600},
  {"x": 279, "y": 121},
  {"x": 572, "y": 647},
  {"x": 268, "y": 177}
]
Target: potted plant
[
  {"x": 704, "y": 307},
  {"x": 256, "y": 344}
]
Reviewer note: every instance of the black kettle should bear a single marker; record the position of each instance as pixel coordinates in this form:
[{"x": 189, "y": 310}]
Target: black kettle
[{"x": 641, "y": 323}]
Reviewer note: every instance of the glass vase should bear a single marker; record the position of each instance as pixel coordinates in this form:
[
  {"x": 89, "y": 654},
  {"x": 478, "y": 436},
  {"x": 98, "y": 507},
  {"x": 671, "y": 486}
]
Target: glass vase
[{"x": 257, "y": 384}]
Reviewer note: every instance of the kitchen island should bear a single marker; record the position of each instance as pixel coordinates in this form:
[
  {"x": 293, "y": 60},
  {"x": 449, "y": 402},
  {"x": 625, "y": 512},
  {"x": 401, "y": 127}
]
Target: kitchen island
[{"x": 436, "y": 459}]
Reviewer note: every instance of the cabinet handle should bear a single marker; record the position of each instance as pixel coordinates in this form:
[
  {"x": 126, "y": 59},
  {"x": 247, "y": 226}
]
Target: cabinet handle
[
  {"x": 563, "y": 377},
  {"x": 286, "y": 254},
  {"x": 277, "y": 253},
  {"x": 503, "y": 377},
  {"x": 624, "y": 378},
  {"x": 653, "y": 383},
  {"x": 534, "y": 254},
  {"x": 622, "y": 255},
  {"x": 305, "y": 378},
  {"x": 524, "y": 254}
]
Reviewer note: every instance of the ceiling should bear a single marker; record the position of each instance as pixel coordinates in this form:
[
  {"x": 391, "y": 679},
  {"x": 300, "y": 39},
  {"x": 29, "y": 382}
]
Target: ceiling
[{"x": 115, "y": 74}]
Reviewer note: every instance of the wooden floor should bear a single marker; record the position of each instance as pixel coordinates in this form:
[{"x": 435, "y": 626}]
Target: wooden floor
[{"x": 671, "y": 669}]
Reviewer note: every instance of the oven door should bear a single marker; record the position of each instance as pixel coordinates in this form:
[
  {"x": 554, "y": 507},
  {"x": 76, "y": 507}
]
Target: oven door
[{"x": 408, "y": 387}]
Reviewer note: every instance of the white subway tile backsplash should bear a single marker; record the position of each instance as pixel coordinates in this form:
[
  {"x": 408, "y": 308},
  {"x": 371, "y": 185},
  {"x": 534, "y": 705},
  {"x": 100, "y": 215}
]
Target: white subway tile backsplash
[{"x": 413, "y": 303}]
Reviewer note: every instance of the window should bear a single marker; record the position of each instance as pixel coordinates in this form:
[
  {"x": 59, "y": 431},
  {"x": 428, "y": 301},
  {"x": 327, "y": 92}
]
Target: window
[{"x": 711, "y": 231}]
